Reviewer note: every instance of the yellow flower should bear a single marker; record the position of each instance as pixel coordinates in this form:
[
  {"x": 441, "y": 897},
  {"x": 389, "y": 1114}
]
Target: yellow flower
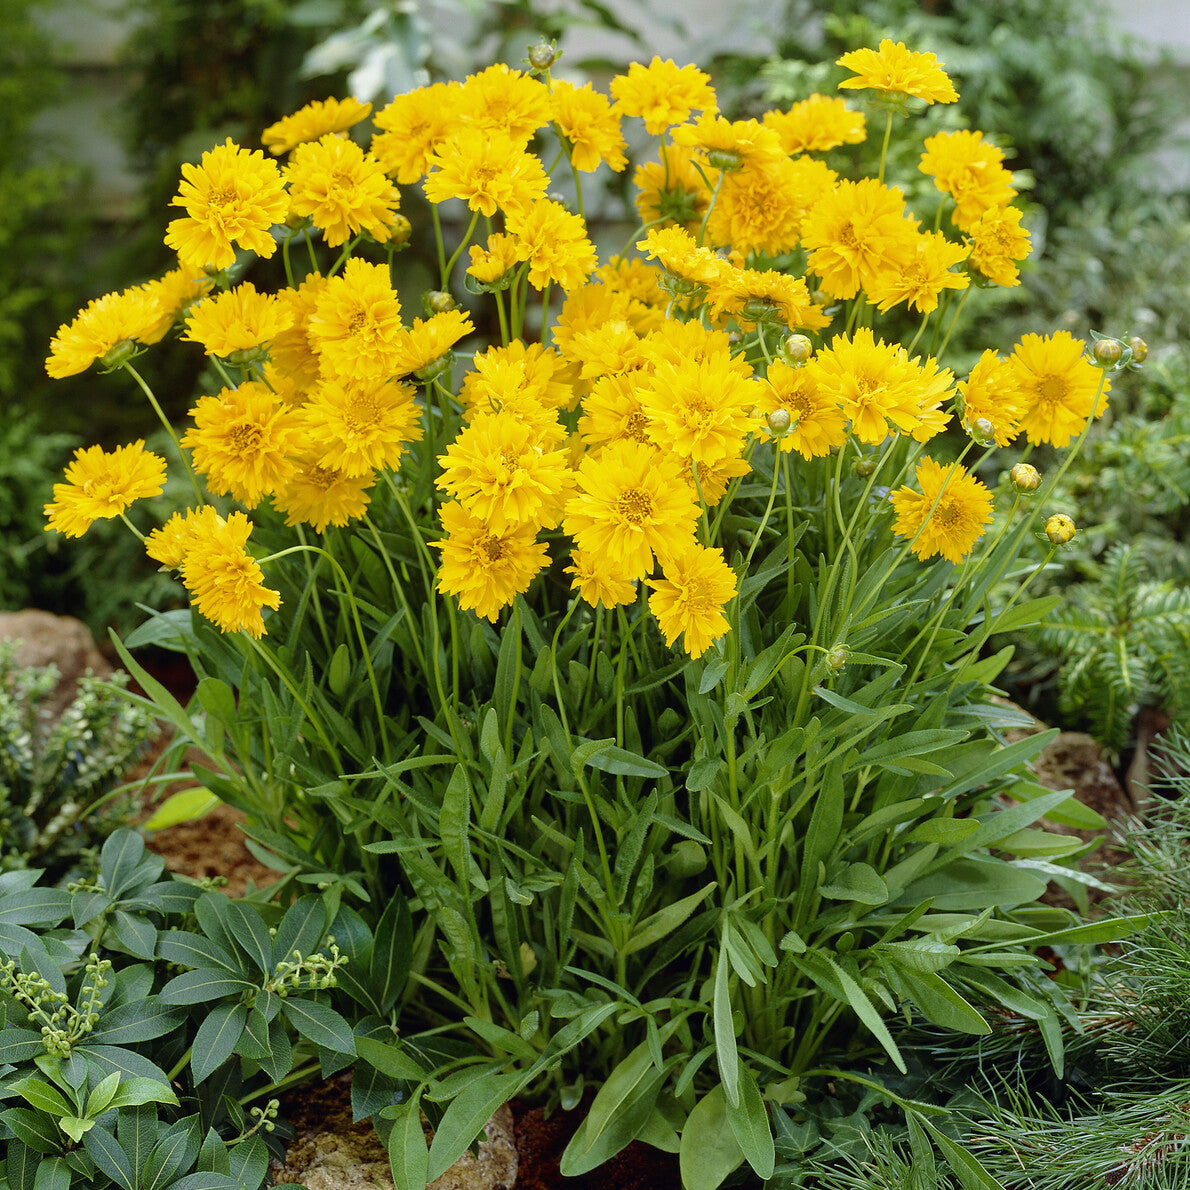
[
  {"x": 853, "y": 235},
  {"x": 632, "y": 502},
  {"x": 313, "y": 122},
  {"x": 504, "y": 101},
  {"x": 102, "y": 484},
  {"x": 168, "y": 543},
  {"x": 998, "y": 241},
  {"x": 1059, "y": 387},
  {"x": 102, "y": 326},
  {"x": 412, "y": 127},
  {"x": 678, "y": 342},
  {"x": 642, "y": 282},
  {"x": 816, "y": 420},
  {"x": 495, "y": 260},
  {"x": 751, "y": 296},
  {"x": 225, "y": 582},
  {"x": 361, "y": 426},
  {"x": 519, "y": 378},
  {"x": 729, "y": 145},
  {"x": 554, "y": 242},
  {"x": 817, "y": 124},
  {"x": 174, "y": 294},
  {"x": 680, "y": 255},
  {"x": 294, "y": 350},
  {"x": 712, "y": 481},
  {"x": 233, "y": 197},
  {"x": 763, "y": 210},
  {"x": 897, "y": 70},
  {"x": 587, "y": 309},
  {"x": 992, "y": 394},
  {"x": 947, "y": 516},
  {"x": 239, "y": 320},
  {"x": 501, "y": 472},
  {"x": 240, "y": 441},
  {"x": 598, "y": 582},
  {"x": 484, "y": 569},
  {"x": 662, "y": 93},
  {"x": 970, "y": 170},
  {"x": 319, "y": 496},
  {"x": 342, "y": 189},
  {"x": 612, "y": 411},
  {"x": 356, "y": 323},
  {"x": 918, "y": 272},
  {"x": 488, "y": 170},
  {"x": 672, "y": 189},
  {"x": 585, "y": 121},
  {"x": 614, "y": 349},
  {"x": 696, "y": 587},
  {"x": 424, "y": 343}
]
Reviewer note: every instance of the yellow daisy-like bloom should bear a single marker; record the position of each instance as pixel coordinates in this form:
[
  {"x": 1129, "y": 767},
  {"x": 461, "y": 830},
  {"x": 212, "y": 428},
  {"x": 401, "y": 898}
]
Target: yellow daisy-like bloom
[
  {"x": 662, "y": 93},
  {"x": 356, "y": 323},
  {"x": 612, "y": 411},
  {"x": 359, "y": 427},
  {"x": 642, "y": 282},
  {"x": 681, "y": 256},
  {"x": 696, "y": 587},
  {"x": 751, "y": 296},
  {"x": 294, "y": 350},
  {"x": 632, "y": 502},
  {"x": 584, "y": 119},
  {"x": 854, "y": 234},
  {"x": 817, "y": 124},
  {"x": 712, "y": 482},
  {"x": 225, "y": 582},
  {"x": 763, "y": 210},
  {"x": 992, "y": 394},
  {"x": 920, "y": 271},
  {"x": 1058, "y": 385},
  {"x": 312, "y": 122},
  {"x": 101, "y": 484},
  {"x": 426, "y": 342},
  {"x": 816, "y": 420},
  {"x": 488, "y": 170},
  {"x": 676, "y": 342},
  {"x": 517, "y": 377},
  {"x": 319, "y": 496},
  {"x": 241, "y": 439},
  {"x": 174, "y": 293},
  {"x": 730, "y": 144},
  {"x": 615, "y": 349},
  {"x": 554, "y": 242},
  {"x": 239, "y": 320},
  {"x": 998, "y": 242},
  {"x": 484, "y": 569},
  {"x": 947, "y": 516},
  {"x": 103, "y": 325},
  {"x": 168, "y": 543},
  {"x": 588, "y": 308},
  {"x": 597, "y": 582},
  {"x": 500, "y": 472},
  {"x": 495, "y": 260},
  {"x": 412, "y": 127},
  {"x": 898, "y": 71},
  {"x": 342, "y": 189},
  {"x": 672, "y": 189},
  {"x": 502, "y": 100},
  {"x": 970, "y": 170},
  {"x": 233, "y": 197}
]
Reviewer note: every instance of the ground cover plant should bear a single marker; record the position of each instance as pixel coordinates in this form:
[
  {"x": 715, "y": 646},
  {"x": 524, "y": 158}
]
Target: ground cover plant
[{"x": 645, "y": 644}]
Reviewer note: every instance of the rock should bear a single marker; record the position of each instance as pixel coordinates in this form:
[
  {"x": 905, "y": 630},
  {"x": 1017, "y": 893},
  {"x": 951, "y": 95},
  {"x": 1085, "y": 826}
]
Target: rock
[
  {"x": 1075, "y": 761},
  {"x": 62, "y": 641}
]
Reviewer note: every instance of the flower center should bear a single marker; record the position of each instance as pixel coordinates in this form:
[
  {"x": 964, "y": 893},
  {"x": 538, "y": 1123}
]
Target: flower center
[
  {"x": 492, "y": 548},
  {"x": 246, "y": 438},
  {"x": 636, "y": 426},
  {"x": 635, "y": 506},
  {"x": 1052, "y": 390}
]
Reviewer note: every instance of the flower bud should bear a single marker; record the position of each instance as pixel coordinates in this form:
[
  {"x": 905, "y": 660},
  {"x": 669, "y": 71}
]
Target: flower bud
[
  {"x": 778, "y": 421},
  {"x": 1107, "y": 352},
  {"x": 399, "y": 231},
  {"x": 796, "y": 349},
  {"x": 124, "y": 352},
  {"x": 1060, "y": 528},
  {"x": 438, "y": 301},
  {"x": 864, "y": 467},
  {"x": 1025, "y": 477},
  {"x": 1140, "y": 349},
  {"x": 837, "y": 657},
  {"x": 981, "y": 432},
  {"x": 727, "y": 160},
  {"x": 543, "y": 55}
]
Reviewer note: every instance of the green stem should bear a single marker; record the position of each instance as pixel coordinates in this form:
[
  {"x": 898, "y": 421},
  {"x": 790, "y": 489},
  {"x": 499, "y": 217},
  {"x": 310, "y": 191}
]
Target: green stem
[{"x": 168, "y": 429}]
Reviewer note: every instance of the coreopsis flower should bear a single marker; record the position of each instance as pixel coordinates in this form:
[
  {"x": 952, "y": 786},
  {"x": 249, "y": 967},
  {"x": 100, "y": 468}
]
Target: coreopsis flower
[
  {"x": 101, "y": 484},
  {"x": 970, "y": 170},
  {"x": 1060, "y": 528},
  {"x": 554, "y": 243},
  {"x": 598, "y": 582},
  {"x": 729, "y": 145},
  {"x": 586, "y": 122},
  {"x": 313, "y": 122},
  {"x": 690, "y": 598},
  {"x": 488, "y": 170},
  {"x": 167, "y": 543},
  {"x": 677, "y": 342},
  {"x": 362, "y": 425},
  {"x": 486, "y": 570},
  {"x": 816, "y": 419},
  {"x": 612, "y": 411},
  {"x": 633, "y": 502},
  {"x": 239, "y": 320},
  {"x": 816, "y": 124},
  {"x": 672, "y": 189},
  {"x": 174, "y": 293},
  {"x": 680, "y": 255},
  {"x": 1059, "y": 387},
  {"x": 502, "y": 100},
  {"x": 225, "y": 582},
  {"x": 710, "y": 482},
  {"x": 919, "y": 271},
  {"x": 233, "y": 197},
  {"x": 588, "y": 308},
  {"x": 318, "y": 496},
  {"x": 412, "y": 127},
  {"x": 699, "y": 410},
  {"x": 615, "y": 349},
  {"x": 751, "y": 296},
  {"x": 496, "y": 259},
  {"x": 763, "y": 210},
  {"x": 356, "y": 323},
  {"x": 854, "y": 233},
  {"x": 428, "y": 341},
  {"x": 294, "y": 350},
  {"x": 525, "y": 380},
  {"x": 998, "y": 242},
  {"x": 947, "y": 516},
  {"x": 342, "y": 189},
  {"x": 992, "y": 394},
  {"x": 241, "y": 439},
  {"x": 662, "y": 93},
  {"x": 642, "y": 282},
  {"x": 100, "y": 327},
  {"x": 898, "y": 71}
]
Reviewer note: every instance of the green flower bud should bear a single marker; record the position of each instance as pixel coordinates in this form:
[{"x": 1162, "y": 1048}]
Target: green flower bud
[
  {"x": 981, "y": 432},
  {"x": 837, "y": 657},
  {"x": 1107, "y": 352},
  {"x": 543, "y": 55},
  {"x": 1025, "y": 477},
  {"x": 778, "y": 421},
  {"x": 438, "y": 301},
  {"x": 1139, "y": 348},
  {"x": 796, "y": 349},
  {"x": 727, "y": 160},
  {"x": 864, "y": 467},
  {"x": 1060, "y": 528}
]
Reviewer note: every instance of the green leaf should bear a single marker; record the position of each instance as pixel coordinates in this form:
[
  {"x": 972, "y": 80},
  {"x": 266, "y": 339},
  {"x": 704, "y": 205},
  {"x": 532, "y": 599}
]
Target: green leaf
[
  {"x": 619, "y": 1123},
  {"x": 19, "y": 1045},
  {"x": 41, "y": 1095},
  {"x": 857, "y": 882},
  {"x": 320, "y": 1024},
  {"x": 407, "y": 1151},
  {"x": 663, "y": 923},
  {"x": 53, "y": 1174},
  {"x": 175, "y": 1150},
  {"x": 135, "y": 933},
  {"x": 974, "y": 883},
  {"x": 21, "y": 1164},
  {"x": 184, "y": 806},
  {"x": 32, "y": 1128},
  {"x": 216, "y": 1039},
  {"x": 302, "y": 928},
  {"x": 941, "y": 1004},
  {"x": 249, "y": 1162},
  {"x": 101, "y": 1095},
  {"x": 34, "y": 907},
  {"x": 390, "y": 1059},
  {"x": 919, "y": 954},
  {"x": 606, "y": 756},
  {"x": 207, "y": 1180},
  {"x": 726, "y": 1053},
  {"x": 971, "y": 1174},
  {"x": 197, "y": 950},
  {"x": 750, "y": 1124},
  {"x": 118, "y": 863},
  {"x": 1111, "y": 929},
  {"x": 136, "y": 1130},
  {"x": 709, "y": 1151},
  {"x": 250, "y": 931},
  {"x": 466, "y": 1116},
  {"x": 197, "y": 987},
  {"x": 105, "y": 1151}
]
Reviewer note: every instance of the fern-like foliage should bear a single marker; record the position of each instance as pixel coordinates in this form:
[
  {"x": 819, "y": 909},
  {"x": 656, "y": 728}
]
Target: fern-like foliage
[{"x": 1124, "y": 639}]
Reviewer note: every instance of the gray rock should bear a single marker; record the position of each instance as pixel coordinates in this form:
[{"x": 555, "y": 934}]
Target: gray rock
[{"x": 61, "y": 641}]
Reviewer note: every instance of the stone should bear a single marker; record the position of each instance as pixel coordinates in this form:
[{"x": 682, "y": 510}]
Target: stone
[{"x": 63, "y": 641}]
